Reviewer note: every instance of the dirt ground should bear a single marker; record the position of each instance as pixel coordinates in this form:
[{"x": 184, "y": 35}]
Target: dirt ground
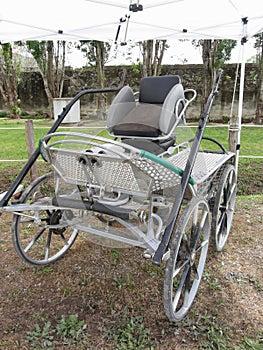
[{"x": 102, "y": 298}]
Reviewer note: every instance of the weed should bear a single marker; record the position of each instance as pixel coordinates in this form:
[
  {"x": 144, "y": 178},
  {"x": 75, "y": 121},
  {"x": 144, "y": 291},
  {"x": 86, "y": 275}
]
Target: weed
[
  {"x": 212, "y": 282},
  {"x": 217, "y": 338},
  {"x": 41, "y": 338},
  {"x": 71, "y": 330},
  {"x": 89, "y": 306},
  {"x": 46, "y": 270},
  {"x": 126, "y": 332},
  {"x": 251, "y": 343},
  {"x": 252, "y": 280},
  {"x": 115, "y": 253},
  {"x": 133, "y": 336},
  {"x": 207, "y": 327},
  {"x": 121, "y": 281},
  {"x": 153, "y": 270}
]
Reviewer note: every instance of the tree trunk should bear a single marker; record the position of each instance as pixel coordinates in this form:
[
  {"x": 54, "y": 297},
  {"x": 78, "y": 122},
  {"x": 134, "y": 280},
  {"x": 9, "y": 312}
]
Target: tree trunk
[
  {"x": 208, "y": 56},
  {"x": 62, "y": 75},
  {"x": 9, "y": 77},
  {"x": 160, "y": 47},
  {"x": 51, "y": 64},
  {"x": 152, "y": 56},
  {"x": 100, "y": 59},
  {"x": 259, "y": 86}
]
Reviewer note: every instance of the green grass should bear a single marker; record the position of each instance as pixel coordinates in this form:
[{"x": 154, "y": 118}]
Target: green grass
[
  {"x": 251, "y": 139},
  {"x": 13, "y": 143}
]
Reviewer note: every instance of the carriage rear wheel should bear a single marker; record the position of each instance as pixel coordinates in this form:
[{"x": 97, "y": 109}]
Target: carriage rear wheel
[
  {"x": 38, "y": 236},
  {"x": 223, "y": 210},
  {"x": 188, "y": 251}
]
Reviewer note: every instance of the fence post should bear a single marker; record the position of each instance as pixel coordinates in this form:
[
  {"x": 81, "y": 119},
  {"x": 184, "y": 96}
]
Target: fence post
[{"x": 30, "y": 144}]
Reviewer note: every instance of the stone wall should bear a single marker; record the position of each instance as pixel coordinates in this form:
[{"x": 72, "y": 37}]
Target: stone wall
[{"x": 33, "y": 98}]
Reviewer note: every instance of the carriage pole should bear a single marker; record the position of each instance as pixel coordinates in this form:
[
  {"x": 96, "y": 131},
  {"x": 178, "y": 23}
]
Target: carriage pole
[{"x": 235, "y": 125}]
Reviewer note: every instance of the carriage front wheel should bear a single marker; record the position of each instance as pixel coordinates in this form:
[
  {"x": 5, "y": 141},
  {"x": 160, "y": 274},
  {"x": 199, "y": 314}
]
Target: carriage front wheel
[
  {"x": 38, "y": 236},
  {"x": 223, "y": 210},
  {"x": 188, "y": 251}
]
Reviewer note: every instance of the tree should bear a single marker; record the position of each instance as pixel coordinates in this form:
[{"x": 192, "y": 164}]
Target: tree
[
  {"x": 50, "y": 58},
  {"x": 97, "y": 54},
  {"x": 9, "y": 75},
  {"x": 259, "y": 79},
  {"x": 214, "y": 55},
  {"x": 152, "y": 52}
]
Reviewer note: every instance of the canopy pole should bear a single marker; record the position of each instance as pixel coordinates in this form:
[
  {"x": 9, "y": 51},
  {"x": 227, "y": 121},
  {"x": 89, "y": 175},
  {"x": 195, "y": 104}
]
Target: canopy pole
[{"x": 235, "y": 126}]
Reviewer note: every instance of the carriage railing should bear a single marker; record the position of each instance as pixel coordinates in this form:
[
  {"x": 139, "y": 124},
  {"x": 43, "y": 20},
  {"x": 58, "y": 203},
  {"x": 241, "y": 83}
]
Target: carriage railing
[{"x": 115, "y": 166}]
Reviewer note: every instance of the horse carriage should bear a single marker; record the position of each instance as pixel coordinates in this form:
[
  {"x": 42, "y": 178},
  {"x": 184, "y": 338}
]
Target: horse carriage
[{"x": 140, "y": 185}]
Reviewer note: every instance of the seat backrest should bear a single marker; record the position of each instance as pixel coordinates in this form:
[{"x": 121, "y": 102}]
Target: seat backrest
[
  {"x": 155, "y": 89},
  {"x": 166, "y": 90}
]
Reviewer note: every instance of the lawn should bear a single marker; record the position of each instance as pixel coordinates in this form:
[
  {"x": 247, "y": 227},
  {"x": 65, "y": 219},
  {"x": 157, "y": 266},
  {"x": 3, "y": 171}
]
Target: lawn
[
  {"x": 13, "y": 136},
  {"x": 13, "y": 143},
  {"x": 13, "y": 147}
]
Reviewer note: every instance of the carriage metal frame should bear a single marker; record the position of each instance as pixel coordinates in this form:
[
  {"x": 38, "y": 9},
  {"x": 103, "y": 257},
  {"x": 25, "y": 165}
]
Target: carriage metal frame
[{"x": 168, "y": 204}]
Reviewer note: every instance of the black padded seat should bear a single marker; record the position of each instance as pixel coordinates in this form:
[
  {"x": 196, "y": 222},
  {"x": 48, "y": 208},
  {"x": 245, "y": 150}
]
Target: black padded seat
[
  {"x": 149, "y": 145},
  {"x": 145, "y": 145},
  {"x": 133, "y": 124},
  {"x": 161, "y": 100}
]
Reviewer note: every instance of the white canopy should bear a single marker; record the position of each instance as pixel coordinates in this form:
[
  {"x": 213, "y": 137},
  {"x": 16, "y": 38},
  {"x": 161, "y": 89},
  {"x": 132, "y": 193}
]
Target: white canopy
[{"x": 100, "y": 19}]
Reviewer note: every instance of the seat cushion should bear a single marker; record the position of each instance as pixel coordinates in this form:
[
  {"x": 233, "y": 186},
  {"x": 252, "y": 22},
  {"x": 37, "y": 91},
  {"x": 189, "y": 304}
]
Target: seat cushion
[{"x": 143, "y": 121}]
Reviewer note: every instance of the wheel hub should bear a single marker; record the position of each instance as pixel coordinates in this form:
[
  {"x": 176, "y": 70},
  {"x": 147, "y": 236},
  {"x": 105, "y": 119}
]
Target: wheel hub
[{"x": 54, "y": 220}]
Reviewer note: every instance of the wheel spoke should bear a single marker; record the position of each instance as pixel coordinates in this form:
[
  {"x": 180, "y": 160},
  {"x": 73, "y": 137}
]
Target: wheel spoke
[
  {"x": 34, "y": 240},
  {"x": 199, "y": 229},
  {"x": 180, "y": 287},
  {"x": 186, "y": 242},
  {"x": 48, "y": 244},
  {"x": 187, "y": 285},
  {"x": 26, "y": 221},
  {"x": 64, "y": 239},
  {"x": 221, "y": 222},
  {"x": 232, "y": 191},
  {"x": 194, "y": 268},
  {"x": 202, "y": 245},
  {"x": 179, "y": 268}
]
